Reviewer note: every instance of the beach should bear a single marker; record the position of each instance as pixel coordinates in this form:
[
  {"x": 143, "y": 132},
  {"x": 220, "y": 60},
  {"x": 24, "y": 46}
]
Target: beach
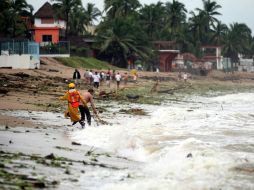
[{"x": 194, "y": 135}]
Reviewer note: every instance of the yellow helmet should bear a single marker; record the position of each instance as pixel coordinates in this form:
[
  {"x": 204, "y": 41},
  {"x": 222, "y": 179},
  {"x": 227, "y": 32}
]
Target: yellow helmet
[{"x": 71, "y": 85}]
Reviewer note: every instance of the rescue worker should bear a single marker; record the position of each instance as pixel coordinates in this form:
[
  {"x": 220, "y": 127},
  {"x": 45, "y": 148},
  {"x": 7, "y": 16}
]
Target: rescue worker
[{"x": 74, "y": 98}]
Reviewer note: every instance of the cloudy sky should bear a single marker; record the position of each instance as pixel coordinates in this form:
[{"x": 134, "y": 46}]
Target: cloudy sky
[{"x": 241, "y": 11}]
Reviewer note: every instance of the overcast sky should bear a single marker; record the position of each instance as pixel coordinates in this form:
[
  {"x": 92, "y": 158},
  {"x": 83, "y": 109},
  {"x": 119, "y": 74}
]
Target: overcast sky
[{"x": 241, "y": 11}]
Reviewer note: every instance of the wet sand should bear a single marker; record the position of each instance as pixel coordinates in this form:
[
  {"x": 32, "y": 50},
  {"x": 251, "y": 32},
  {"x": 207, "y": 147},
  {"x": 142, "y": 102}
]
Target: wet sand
[
  {"x": 45, "y": 156},
  {"x": 42, "y": 155}
]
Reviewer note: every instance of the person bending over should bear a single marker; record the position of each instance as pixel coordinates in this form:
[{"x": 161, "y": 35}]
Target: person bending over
[{"x": 84, "y": 110}]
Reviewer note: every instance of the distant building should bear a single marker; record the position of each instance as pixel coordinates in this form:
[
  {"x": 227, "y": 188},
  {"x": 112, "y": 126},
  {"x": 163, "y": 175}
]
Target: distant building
[
  {"x": 167, "y": 53},
  {"x": 47, "y": 27},
  {"x": 212, "y": 54}
]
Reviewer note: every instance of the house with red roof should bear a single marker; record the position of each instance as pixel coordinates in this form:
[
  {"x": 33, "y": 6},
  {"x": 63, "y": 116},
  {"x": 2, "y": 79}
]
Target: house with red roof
[{"x": 48, "y": 27}]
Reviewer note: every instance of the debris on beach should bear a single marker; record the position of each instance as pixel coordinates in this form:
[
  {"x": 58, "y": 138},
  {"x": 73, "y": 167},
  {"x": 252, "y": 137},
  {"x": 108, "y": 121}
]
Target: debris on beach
[
  {"x": 133, "y": 111},
  {"x": 75, "y": 143}
]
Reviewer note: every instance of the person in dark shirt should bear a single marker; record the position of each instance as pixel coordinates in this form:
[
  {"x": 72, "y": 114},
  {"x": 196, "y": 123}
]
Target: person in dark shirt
[{"x": 76, "y": 77}]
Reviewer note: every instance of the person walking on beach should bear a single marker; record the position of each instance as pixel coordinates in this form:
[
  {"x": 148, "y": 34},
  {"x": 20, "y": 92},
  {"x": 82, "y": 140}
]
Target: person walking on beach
[
  {"x": 84, "y": 110},
  {"x": 73, "y": 97},
  {"x": 108, "y": 78},
  {"x": 76, "y": 77},
  {"x": 118, "y": 79},
  {"x": 185, "y": 77},
  {"x": 96, "y": 80},
  {"x": 135, "y": 75}
]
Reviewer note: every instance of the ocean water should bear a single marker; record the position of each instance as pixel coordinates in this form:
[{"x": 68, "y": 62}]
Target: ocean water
[{"x": 201, "y": 143}]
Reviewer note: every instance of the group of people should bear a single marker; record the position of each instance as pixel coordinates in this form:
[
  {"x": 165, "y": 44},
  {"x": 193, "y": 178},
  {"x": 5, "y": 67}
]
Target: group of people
[
  {"x": 96, "y": 78},
  {"x": 77, "y": 108}
]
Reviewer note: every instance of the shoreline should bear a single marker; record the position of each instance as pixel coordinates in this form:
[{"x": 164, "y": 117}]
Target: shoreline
[
  {"x": 42, "y": 155},
  {"x": 45, "y": 157}
]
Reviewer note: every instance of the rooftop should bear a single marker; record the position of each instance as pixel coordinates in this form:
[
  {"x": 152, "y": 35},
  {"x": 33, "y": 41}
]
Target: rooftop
[{"x": 46, "y": 11}]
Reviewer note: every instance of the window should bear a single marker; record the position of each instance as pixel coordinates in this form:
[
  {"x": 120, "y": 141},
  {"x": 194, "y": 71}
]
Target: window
[{"x": 47, "y": 38}]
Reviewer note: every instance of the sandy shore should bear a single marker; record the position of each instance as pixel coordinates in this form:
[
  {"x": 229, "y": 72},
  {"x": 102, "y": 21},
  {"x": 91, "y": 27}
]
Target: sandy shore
[
  {"x": 40, "y": 154},
  {"x": 43, "y": 156}
]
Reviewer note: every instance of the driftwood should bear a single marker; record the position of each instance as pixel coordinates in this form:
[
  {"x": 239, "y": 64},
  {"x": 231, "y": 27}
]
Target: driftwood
[
  {"x": 134, "y": 111},
  {"x": 171, "y": 91}
]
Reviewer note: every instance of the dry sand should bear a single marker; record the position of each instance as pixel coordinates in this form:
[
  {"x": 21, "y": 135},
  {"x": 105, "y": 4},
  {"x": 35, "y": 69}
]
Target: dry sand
[{"x": 39, "y": 147}]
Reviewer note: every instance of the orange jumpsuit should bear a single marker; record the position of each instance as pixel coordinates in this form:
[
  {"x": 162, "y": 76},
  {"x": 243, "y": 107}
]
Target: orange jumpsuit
[{"x": 73, "y": 97}]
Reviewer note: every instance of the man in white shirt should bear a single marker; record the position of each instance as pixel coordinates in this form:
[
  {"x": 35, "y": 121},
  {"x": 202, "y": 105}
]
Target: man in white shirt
[
  {"x": 118, "y": 79},
  {"x": 96, "y": 80}
]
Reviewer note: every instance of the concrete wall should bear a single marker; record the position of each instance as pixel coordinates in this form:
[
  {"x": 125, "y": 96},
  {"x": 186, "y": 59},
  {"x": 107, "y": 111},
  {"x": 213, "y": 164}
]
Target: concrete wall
[
  {"x": 15, "y": 61},
  {"x": 246, "y": 65},
  {"x": 246, "y": 68},
  {"x": 247, "y": 62}
]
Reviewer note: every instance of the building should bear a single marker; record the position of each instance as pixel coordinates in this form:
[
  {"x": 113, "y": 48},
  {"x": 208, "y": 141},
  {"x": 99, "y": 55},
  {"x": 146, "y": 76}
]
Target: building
[
  {"x": 167, "y": 53},
  {"x": 47, "y": 26},
  {"x": 19, "y": 54},
  {"x": 212, "y": 53}
]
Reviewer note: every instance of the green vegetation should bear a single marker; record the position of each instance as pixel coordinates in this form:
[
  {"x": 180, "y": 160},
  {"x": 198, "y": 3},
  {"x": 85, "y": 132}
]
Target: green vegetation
[{"x": 88, "y": 63}]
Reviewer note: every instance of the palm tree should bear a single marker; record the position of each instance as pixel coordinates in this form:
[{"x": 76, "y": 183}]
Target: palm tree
[
  {"x": 218, "y": 33},
  {"x": 176, "y": 14},
  {"x": 120, "y": 38},
  {"x": 14, "y": 24},
  {"x": 196, "y": 27},
  {"x": 209, "y": 13},
  {"x": 152, "y": 19},
  {"x": 184, "y": 39},
  {"x": 65, "y": 7},
  {"x": 115, "y": 8},
  {"x": 4, "y": 7},
  {"x": 77, "y": 21},
  {"x": 91, "y": 13},
  {"x": 236, "y": 41}
]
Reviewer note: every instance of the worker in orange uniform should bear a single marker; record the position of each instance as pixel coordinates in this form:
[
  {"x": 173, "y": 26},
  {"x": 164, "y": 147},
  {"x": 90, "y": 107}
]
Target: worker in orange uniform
[{"x": 74, "y": 98}]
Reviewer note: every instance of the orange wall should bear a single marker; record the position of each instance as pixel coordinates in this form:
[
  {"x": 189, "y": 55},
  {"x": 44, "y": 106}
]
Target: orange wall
[{"x": 40, "y": 32}]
